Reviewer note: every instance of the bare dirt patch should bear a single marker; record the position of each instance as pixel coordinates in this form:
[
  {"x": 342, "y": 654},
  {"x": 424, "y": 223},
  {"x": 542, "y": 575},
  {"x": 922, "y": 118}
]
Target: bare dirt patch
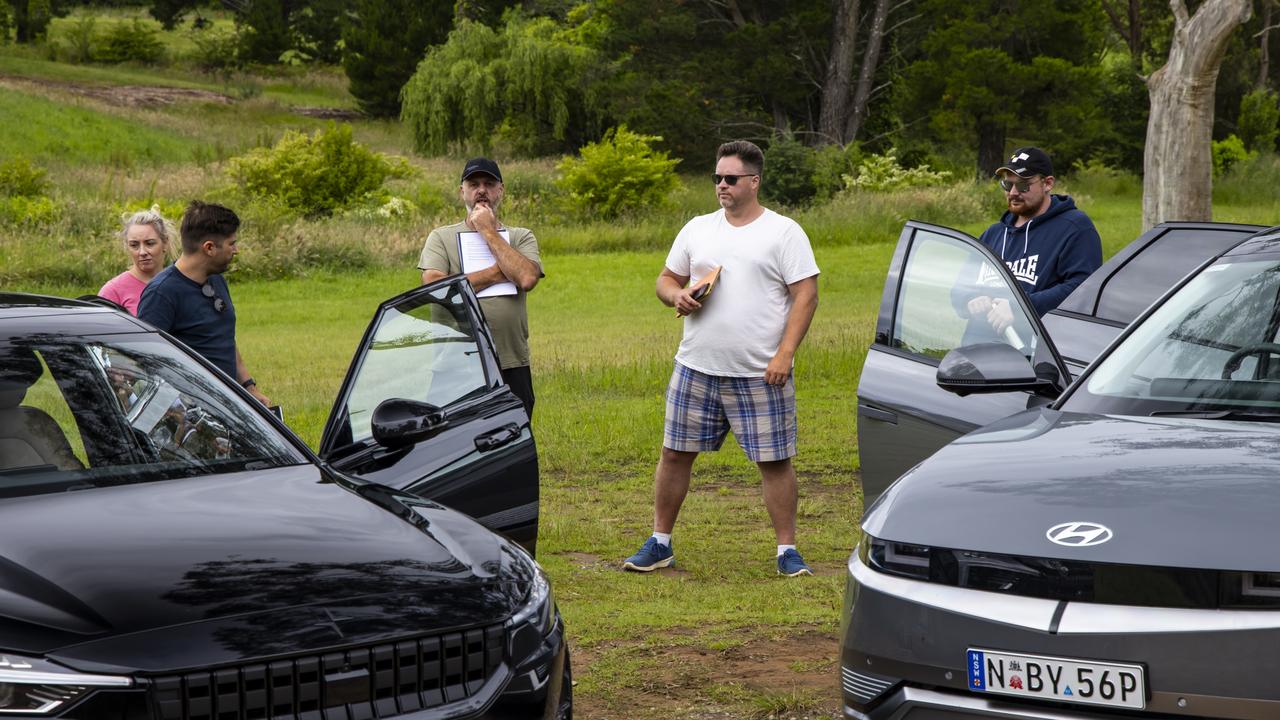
[
  {"x": 328, "y": 113},
  {"x": 719, "y": 679},
  {"x": 141, "y": 96}
]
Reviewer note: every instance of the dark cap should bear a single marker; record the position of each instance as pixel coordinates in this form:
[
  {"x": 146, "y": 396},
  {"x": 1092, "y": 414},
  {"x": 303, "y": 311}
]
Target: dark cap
[
  {"x": 481, "y": 165},
  {"x": 1028, "y": 162}
]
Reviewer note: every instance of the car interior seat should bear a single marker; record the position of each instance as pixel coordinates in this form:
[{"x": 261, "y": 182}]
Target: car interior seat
[{"x": 28, "y": 436}]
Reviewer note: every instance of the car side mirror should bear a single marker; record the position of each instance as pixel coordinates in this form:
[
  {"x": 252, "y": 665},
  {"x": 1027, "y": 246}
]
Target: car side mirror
[
  {"x": 992, "y": 367},
  {"x": 397, "y": 422}
]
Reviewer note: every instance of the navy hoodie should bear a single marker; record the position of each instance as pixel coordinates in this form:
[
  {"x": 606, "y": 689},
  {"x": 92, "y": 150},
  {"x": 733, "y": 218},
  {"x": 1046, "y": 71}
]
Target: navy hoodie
[{"x": 1051, "y": 254}]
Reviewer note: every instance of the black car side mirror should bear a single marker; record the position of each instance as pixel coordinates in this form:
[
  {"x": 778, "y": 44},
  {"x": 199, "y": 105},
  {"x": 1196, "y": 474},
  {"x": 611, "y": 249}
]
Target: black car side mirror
[
  {"x": 992, "y": 367},
  {"x": 397, "y": 422}
]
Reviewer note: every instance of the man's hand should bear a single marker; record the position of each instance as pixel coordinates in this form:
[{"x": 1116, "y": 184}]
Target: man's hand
[
  {"x": 1000, "y": 315},
  {"x": 980, "y": 305},
  {"x": 779, "y": 369},
  {"x": 257, "y": 394},
  {"x": 482, "y": 218},
  {"x": 684, "y": 302}
]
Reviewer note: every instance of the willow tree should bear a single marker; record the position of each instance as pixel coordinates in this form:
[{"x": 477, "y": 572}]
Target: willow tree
[
  {"x": 528, "y": 83},
  {"x": 1177, "y": 182}
]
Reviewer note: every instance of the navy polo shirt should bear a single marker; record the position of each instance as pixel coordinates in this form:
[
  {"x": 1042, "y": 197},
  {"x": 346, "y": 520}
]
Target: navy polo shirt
[{"x": 175, "y": 303}]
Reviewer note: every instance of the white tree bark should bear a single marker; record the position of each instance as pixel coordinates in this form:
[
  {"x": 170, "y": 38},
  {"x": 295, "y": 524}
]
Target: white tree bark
[{"x": 1177, "y": 163}]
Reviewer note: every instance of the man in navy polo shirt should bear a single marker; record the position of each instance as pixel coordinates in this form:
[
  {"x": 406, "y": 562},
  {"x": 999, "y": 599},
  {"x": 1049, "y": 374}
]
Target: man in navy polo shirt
[{"x": 190, "y": 299}]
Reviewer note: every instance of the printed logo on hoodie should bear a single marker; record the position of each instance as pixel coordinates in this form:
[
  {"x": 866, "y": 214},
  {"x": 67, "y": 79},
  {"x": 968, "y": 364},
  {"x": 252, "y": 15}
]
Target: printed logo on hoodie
[{"x": 1024, "y": 269}]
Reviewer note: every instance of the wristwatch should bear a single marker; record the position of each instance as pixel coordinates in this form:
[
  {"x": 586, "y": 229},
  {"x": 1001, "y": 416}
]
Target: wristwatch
[{"x": 247, "y": 382}]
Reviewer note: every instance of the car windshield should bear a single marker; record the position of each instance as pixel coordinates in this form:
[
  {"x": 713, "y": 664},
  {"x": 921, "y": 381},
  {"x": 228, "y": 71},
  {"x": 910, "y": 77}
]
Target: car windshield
[
  {"x": 1212, "y": 348},
  {"x": 81, "y": 413}
]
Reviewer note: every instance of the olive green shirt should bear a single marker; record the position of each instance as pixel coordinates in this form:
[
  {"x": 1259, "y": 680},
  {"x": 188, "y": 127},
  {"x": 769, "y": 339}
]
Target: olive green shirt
[{"x": 506, "y": 315}]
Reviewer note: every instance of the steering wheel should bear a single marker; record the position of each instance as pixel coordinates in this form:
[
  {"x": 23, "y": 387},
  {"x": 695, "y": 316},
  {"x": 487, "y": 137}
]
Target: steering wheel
[{"x": 1237, "y": 357}]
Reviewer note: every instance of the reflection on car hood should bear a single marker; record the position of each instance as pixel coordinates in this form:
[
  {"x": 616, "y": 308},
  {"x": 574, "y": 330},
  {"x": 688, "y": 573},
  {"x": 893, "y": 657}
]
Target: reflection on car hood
[
  {"x": 286, "y": 555},
  {"x": 1175, "y": 492}
]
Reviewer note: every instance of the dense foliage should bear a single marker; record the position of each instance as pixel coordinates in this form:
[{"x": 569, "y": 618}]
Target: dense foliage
[
  {"x": 316, "y": 174},
  {"x": 384, "y": 40},
  {"x": 619, "y": 174},
  {"x": 527, "y": 83},
  {"x": 134, "y": 41}
]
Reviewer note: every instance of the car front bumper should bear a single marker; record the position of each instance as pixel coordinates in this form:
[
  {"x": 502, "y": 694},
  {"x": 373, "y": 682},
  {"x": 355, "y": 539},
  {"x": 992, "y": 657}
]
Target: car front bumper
[{"x": 904, "y": 644}]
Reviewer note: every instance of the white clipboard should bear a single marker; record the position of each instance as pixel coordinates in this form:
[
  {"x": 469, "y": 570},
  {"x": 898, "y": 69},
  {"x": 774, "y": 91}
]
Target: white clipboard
[{"x": 475, "y": 255}]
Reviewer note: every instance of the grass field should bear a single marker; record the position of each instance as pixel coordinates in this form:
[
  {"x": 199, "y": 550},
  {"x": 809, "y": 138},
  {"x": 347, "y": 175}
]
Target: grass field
[{"x": 721, "y": 635}]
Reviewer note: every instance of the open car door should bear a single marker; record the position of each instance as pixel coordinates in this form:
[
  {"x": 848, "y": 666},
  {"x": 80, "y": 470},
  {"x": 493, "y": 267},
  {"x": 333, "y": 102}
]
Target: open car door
[
  {"x": 903, "y": 415},
  {"x": 424, "y": 409}
]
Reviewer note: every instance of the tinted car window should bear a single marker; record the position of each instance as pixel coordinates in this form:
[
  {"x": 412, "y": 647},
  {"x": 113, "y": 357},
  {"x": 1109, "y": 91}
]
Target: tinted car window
[
  {"x": 136, "y": 410},
  {"x": 1212, "y": 346},
  {"x": 426, "y": 352},
  {"x": 941, "y": 275},
  {"x": 1166, "y": 260}
]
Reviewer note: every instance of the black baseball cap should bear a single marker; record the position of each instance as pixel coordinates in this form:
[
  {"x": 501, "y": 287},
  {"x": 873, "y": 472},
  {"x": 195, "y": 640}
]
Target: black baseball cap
[
  {"x": 481, "y": 165},
  {"x": 1028, "y": 162}
]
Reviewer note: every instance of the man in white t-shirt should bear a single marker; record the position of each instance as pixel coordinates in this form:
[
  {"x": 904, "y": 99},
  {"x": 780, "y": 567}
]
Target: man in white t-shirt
[{"x": 733, "y": 368}]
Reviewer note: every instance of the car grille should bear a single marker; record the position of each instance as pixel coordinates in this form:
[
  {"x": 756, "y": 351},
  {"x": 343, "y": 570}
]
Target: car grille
[{"x": 370, "y": 682}]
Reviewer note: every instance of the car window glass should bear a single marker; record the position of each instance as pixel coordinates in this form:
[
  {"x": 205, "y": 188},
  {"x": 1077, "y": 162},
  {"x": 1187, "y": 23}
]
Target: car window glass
[
  {"x": 1153, "y": 271},
  {"x": 427, "y": 351},
  {"x": 1211, "y": 346},
  {"x": 941, "y": 276},
  {"x": 130, "y": 410},
  {"x": 46, "y": 397}
]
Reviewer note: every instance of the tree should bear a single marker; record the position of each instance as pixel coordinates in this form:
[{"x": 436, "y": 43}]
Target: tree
[
  {"x": 839, "y": 77},
  {"x": 384, "y": 41},
  {"x": 989, "y": 68},
  {"x": 1177, "y": 178},
  {"x": 867, "y": 74},
  {"x": 30, "y": 18}
]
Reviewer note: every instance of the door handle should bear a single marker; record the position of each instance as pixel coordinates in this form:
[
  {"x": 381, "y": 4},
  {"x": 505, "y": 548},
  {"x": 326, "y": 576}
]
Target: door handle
[
  {"x": 497, "y": 438},
  {"x": 878, "y": 414}
]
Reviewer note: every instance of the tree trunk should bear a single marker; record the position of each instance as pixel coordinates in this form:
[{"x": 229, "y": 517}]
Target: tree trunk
[
  {"x": 867, "y": 76},
  {"x": 991, "y": 136},
  {"x": 1177, "y": 181},
  {"x": 1264, "y": 50},
  {"x": 835, "y": 87}
]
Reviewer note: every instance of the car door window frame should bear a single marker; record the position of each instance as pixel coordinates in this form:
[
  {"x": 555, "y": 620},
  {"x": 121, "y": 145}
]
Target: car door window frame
[
  {"x": 888, "y": 315},
  {"x": 414, "y": 298}
]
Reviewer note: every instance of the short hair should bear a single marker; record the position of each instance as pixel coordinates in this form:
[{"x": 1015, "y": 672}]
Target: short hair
[
  {"x": 164, "y": 229},
  {"x": 748, "y": 152},
  {"x": 204, "y": 221}
]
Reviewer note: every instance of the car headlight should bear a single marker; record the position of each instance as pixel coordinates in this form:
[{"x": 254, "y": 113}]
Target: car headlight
[
  {"x": 538, "y": 610},
  {"x": 30, "y": 686},
  {"x": 894, "y": 558}
]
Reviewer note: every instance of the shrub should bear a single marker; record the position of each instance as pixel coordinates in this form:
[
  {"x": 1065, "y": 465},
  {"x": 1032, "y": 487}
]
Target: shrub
[
  {"x": 1100, "y": 179},
  {"x": 620, "y": 173},
  {"x": 883, "y": 173},
  {"x": 316, "y": 174},
  {"x": 830, "y": 164},
  {"x": 1226, "y": 153},
  {"x": 1259, "y": 117},
  {"x": 80, "y": 36},
  {"x": 28, "y": 211},
  {"x": 6, "y": 23},
  {"x": 135, "y": 41},
  {"x": 217, "y": 49},
  {"x": 789, "y": 167},
  {"x": 19, "y": 178}
]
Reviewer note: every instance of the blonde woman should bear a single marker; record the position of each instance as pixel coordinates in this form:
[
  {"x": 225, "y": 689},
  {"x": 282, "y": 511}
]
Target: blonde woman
[{"x": 146, "y": 236}]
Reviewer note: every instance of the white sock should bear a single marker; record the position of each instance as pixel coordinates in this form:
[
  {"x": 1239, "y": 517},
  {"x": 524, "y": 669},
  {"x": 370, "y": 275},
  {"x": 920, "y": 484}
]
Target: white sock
[
  {"x": 663, "y": 538},
  {"x": 784, "y": 548}
]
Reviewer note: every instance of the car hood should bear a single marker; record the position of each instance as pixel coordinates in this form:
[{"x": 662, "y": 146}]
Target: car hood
[
  {"x": 1175, "y": 492},
  {"x": 204, "y": 570}
]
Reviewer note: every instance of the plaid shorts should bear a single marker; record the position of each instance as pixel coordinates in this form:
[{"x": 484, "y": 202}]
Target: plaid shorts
[{"x": 702, "y": 409}]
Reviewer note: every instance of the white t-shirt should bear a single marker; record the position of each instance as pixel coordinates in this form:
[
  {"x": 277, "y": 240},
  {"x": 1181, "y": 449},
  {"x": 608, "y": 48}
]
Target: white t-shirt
[{"x": 738, "y": 329}]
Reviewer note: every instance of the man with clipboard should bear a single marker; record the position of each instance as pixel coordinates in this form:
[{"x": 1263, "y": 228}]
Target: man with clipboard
[{"x": 502, "y": 264}]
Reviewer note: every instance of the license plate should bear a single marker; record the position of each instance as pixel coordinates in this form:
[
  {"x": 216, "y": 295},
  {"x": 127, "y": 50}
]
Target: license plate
[{"x": 1060, "y": 679}]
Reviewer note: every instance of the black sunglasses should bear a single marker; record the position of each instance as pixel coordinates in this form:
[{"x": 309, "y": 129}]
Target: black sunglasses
[
  {"x": 218, "y": 303},
  {"x": 1022, "y": 185},
  {"x": 729, "y": 179}
]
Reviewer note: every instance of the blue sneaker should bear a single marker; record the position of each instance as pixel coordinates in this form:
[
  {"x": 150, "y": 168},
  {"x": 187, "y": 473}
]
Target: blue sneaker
[
  {"x": 652, "y": 555},
  {"x": 791, "y": 564}
]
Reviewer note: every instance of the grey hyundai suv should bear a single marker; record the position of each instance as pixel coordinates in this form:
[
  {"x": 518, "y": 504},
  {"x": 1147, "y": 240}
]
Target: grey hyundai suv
[{"x": 1096, "y": 536}]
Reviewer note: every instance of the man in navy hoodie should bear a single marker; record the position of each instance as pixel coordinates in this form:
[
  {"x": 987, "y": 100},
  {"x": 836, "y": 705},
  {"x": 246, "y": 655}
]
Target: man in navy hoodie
[{"x": 1049, "y": 245}]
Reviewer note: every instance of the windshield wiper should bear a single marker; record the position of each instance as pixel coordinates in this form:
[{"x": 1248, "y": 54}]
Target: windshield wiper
[{"x": 1244, "y": 415}]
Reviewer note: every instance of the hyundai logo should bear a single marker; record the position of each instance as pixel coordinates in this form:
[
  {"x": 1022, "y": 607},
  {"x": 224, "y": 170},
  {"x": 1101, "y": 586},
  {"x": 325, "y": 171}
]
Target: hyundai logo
[{"x": 1079, "y": 534}]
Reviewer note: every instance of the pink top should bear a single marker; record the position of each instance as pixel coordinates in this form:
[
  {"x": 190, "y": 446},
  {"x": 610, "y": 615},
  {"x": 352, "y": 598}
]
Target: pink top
[{"x": 124, "y": 289}]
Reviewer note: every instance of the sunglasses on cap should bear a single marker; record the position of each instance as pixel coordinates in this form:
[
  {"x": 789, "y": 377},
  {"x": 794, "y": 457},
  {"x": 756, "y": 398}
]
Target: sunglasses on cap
[
  {"x": 218, "y": 303},
  {"x": 1022, "y": 185},
  {"x": 729, "y": 179}
]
